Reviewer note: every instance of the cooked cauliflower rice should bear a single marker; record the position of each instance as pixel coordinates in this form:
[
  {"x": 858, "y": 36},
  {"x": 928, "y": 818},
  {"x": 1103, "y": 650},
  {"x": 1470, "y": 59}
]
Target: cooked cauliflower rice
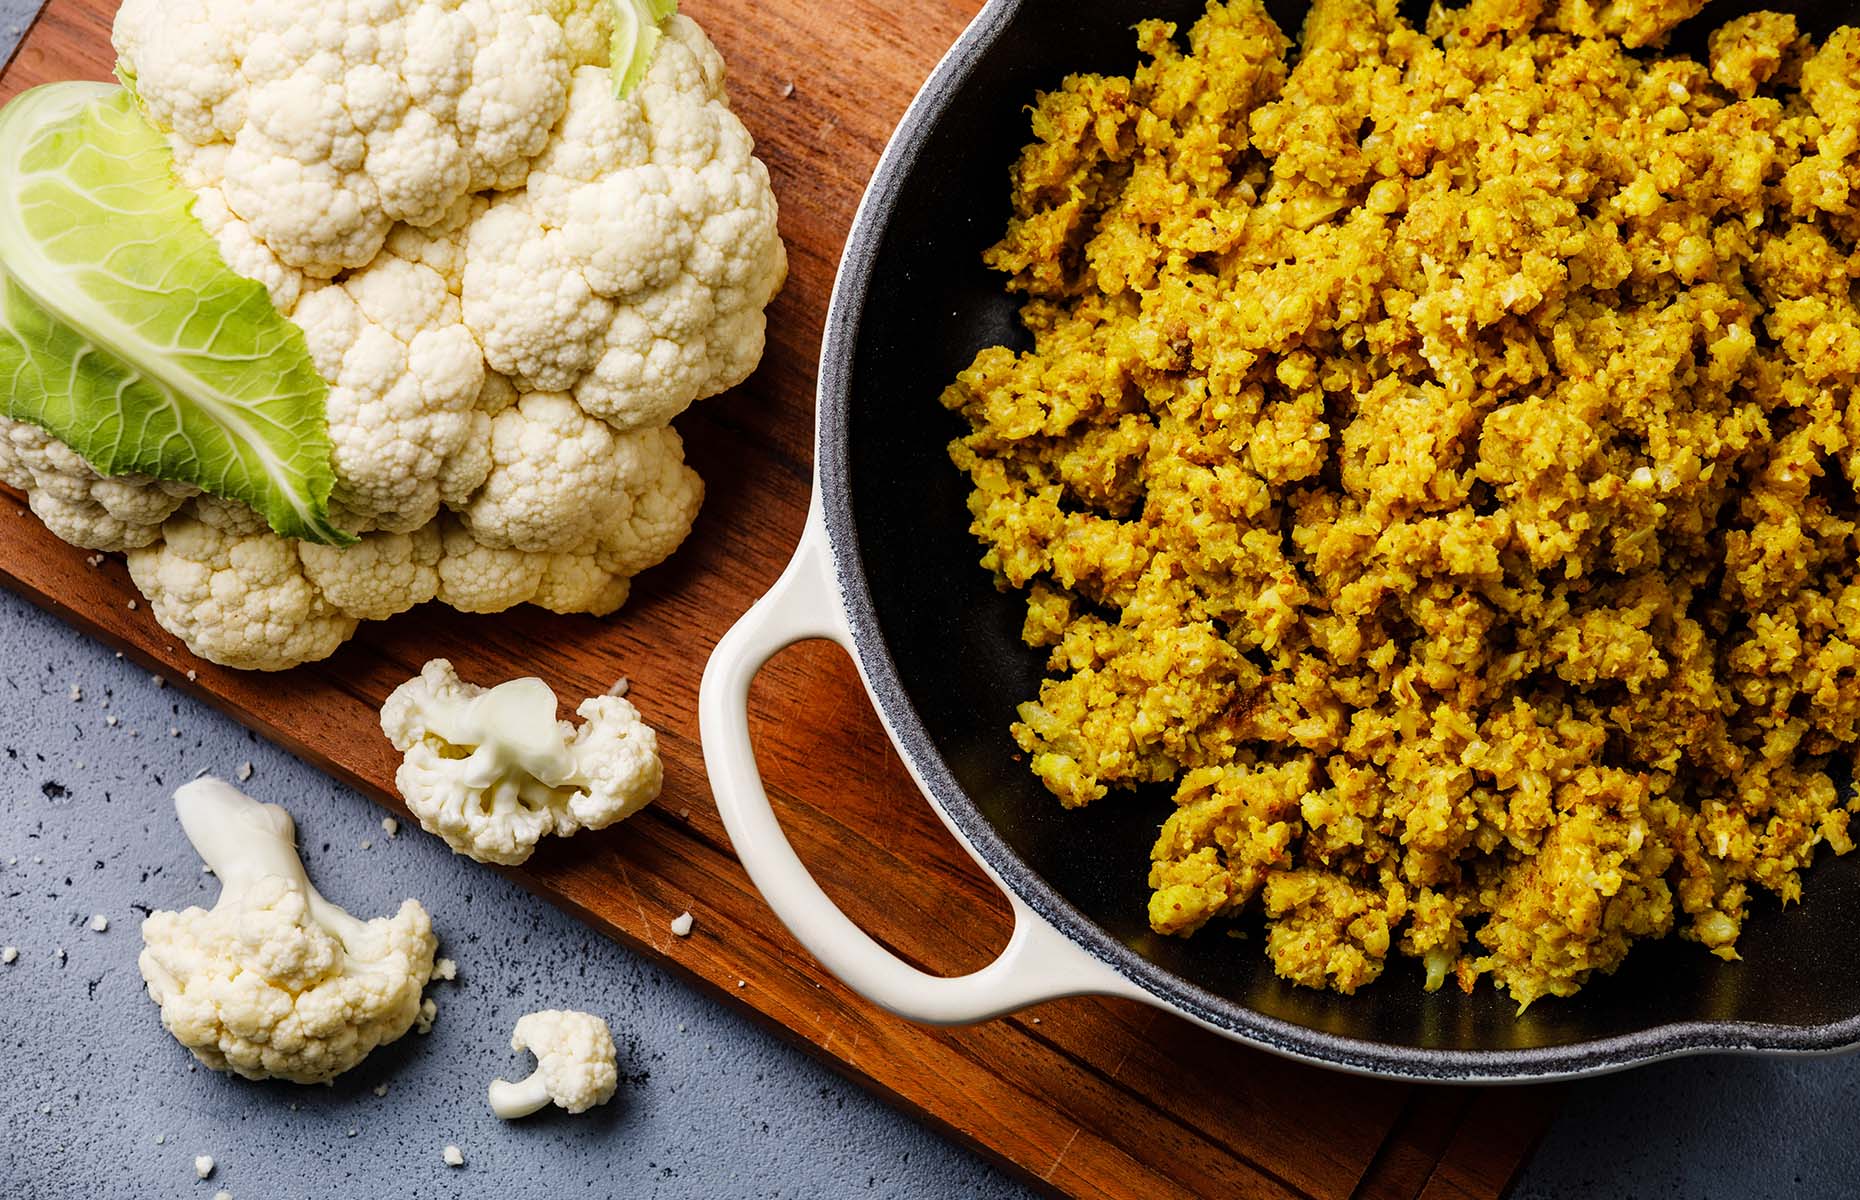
[{"x": 1435, "y": 459}]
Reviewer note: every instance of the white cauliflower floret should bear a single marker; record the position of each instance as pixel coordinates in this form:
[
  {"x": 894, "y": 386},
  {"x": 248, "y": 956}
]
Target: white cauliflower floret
[
  {"x": 661, "y": 500},
  {"x": 274, "y": 981},
  {"x": 340, "y": 118},
  {"x": 82, "y": 507},
  {"x": 634, "y": 268},
  {"x": 493, "y": 772},
  {"x": 663, "y": 495},
  {"x": 575, "y": 1065},
  {"x": 554, "y": 474},
  {"x": 477, "y": 578},
  {"x": 404, "y": 380},
  {"x": 236, "y": 592},
  {"x": 379, "y": 576},
  {"x": 570, "y": 512}
]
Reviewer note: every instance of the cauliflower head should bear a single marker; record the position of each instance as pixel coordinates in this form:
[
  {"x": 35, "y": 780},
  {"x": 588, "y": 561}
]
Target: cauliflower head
[
  {"x": 274, "y": 981},
  {"x": 493, "y": 772},
  {"x": 330, "y": 122},
  {"x": 502, "y": 357},
  {"x": 575, "y": 1065},
  {"x": 633, "y": 269}
]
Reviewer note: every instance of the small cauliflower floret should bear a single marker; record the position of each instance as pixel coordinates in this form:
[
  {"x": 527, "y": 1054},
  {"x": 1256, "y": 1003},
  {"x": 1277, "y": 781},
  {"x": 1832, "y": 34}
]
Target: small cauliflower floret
[
  {"x": 554, "y": 476},
  {"x": 633, "y": 269},
  {"x": 383, "y": 574},
  {"x": 665, "y": 496},
  {"x": 493, "y": 772},
  {"x": 76, "y": 503},
  {"x": 564, "y": 483},
  {"x": 274, "y": 981},
  {"x": 575, "y": 1066},
  {"x": 336, "y": 120},
  {"x": 236, "y": 592},
  {"x": 477, "y": 578},
  {"x": 405, "y": 378},
  {"x": 661, "y": 500},
  {"x": 631, "y": 503}
]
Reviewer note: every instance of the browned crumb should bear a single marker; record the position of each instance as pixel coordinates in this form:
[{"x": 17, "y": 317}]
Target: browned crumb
[{"x": 1436, "y": 461}]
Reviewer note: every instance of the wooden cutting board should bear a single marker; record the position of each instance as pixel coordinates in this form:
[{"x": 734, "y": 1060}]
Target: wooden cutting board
[{"x": 1080, "y": 1098}]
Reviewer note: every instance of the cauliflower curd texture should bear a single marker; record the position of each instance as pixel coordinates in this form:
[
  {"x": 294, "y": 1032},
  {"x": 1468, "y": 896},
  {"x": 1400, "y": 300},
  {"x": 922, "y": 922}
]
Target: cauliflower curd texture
[
  {"x": 510, "y": 279},
  {"x": 1436, "y": 462}
]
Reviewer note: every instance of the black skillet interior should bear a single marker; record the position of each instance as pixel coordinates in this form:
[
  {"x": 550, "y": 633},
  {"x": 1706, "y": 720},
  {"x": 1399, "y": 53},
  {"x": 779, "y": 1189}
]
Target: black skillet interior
[{"x": 953, "y": 642}]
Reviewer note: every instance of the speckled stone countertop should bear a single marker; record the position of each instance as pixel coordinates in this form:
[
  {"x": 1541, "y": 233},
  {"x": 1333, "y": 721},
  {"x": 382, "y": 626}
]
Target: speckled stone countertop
[{"x": 98, "y": 1102}]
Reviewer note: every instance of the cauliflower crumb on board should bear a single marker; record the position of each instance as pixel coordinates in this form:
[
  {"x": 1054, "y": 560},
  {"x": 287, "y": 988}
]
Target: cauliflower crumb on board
[
  {"x": 682, "y": 924},
  {"x": 99, "y": 923},
  {"x": 512, "y": 281},
  {"x": 9, "y": 955},
  {"x": 274, "y": 981},
  {"x": 1435, "y": 463},
  {"x": 390, "y": 826},
  {"x": 453, "y": 1156},
  {"x": 493, "y": 772},
  {"x": 244, "y": 772},
  {"x": 222, "y": 1194},
  {"x": 429, "y": 1012},
  {"x": 203, "y": 1165},
  {"x": 445, "y": 969},
  {"x": 575, "y": 1065}
]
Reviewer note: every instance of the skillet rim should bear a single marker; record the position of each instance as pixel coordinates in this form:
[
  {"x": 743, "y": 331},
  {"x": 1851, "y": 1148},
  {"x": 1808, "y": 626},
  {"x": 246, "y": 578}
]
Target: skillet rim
[{"x": 1233, "y": 1019}]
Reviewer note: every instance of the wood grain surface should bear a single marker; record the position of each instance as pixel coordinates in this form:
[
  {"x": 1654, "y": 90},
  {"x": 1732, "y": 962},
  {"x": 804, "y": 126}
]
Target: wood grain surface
[{"x": 1082, "y": 1097}]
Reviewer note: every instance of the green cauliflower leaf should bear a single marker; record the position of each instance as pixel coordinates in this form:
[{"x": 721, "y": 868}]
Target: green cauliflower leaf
[
  {"x": 636, "y": 38},
  {"x": 123, "y": 332}
]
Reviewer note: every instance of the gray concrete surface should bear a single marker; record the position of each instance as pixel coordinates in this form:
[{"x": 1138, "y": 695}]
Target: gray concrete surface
[{"x": 97, "y": 1101}]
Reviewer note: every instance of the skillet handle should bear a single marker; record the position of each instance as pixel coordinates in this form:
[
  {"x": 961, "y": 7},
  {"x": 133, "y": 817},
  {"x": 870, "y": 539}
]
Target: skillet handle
[{"x": 1039, "y": 963}]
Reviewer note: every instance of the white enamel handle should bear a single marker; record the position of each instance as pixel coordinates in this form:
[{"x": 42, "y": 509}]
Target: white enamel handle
[{"x": 1039, "y": 963}]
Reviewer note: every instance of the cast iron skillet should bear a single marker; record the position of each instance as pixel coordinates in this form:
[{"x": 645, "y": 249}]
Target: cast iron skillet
[{"x": 940, "y": 651}]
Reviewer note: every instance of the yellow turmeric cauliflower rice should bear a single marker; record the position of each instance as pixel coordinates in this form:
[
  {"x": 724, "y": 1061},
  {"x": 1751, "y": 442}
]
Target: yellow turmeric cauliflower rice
[{"x": 1437, "y": 459}]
